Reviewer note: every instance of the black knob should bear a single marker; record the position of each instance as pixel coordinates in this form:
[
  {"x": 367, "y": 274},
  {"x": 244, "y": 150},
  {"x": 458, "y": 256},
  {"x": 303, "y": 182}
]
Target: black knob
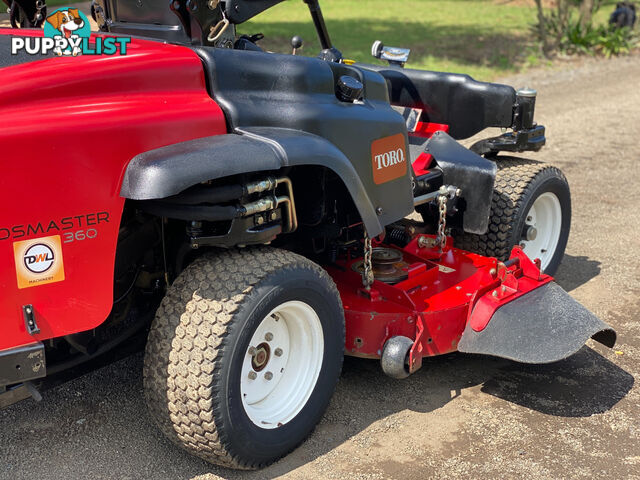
[
  {"x": 349, "y": 89},
  {"x": 296, "y": 42}
]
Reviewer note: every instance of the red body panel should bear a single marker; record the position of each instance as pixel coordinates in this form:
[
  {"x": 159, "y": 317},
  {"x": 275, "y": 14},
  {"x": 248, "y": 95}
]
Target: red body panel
[
  {"x": 70, "y": 127},
  {"x": 432, "y": 306}
]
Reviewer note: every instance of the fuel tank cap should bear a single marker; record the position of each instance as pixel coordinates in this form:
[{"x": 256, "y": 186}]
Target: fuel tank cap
[{"x": 349, "y": 89}]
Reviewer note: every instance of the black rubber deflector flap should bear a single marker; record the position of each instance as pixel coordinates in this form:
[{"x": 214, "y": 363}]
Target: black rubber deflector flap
[
  {"x": 473, "y": 174},
  {"x": 543, "y": 326}
]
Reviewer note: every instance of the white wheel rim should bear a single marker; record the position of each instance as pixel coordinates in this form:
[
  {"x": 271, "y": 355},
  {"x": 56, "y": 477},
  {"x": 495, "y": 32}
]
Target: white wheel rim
[
  {"x": 279, "y": 375},
  {"x": 545, "y": 216}
]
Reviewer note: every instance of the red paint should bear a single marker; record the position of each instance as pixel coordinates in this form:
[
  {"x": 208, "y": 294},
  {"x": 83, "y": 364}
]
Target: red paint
[
  {"x": 426, "y": 130},
  {"x": 70, "y": 127},
  {"x": 433, "y": 305},
  {"x": 509, "y": 284}
]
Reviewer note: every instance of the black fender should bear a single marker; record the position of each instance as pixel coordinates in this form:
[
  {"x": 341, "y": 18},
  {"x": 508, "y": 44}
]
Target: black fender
[
  {"x": 474, "y": 175},
  {"x": 169, "y": 170}
]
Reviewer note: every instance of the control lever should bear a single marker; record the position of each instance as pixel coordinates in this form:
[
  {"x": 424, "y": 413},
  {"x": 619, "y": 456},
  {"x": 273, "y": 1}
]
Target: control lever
[
  {"x": 296, "y": 44},
  {"x": 394, "y": 55}
]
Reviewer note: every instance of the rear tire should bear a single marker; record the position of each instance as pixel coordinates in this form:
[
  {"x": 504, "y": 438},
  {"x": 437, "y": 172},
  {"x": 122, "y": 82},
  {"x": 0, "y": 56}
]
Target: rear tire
[
  {"x": 199, "y": 352},
  {"x": 530, "y": 199}
]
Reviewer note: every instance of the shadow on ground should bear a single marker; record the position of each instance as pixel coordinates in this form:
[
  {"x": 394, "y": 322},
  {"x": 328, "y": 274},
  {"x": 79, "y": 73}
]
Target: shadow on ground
[
  {"x": 575, "y": 271},
  {"x": 101, "y": 417}
]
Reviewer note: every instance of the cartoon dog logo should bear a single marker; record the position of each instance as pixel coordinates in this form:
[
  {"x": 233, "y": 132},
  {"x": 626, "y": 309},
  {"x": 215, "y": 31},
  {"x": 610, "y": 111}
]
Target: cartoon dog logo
[{"x": 67, "y": 22}]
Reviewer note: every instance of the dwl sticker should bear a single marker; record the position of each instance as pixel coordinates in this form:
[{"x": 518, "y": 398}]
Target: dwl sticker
[{"x": 38, "y": 261}]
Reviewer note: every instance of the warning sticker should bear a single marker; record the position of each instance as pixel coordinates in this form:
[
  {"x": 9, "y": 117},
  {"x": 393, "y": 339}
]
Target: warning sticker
[{"x": 38, "y": 261}]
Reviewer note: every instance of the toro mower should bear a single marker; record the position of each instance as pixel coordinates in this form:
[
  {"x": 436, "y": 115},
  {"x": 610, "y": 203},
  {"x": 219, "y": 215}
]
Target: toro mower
[{"x": 247, "y": 212}]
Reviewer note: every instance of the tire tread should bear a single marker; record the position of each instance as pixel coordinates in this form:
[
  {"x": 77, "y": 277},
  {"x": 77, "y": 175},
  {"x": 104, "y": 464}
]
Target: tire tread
[
  {"x": 514, "y": 179},
  {"x": 187, "y": 343}
]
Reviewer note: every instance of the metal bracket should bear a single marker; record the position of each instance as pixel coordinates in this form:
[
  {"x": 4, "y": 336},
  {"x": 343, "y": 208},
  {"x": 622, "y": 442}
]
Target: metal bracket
[
  {"x": 530, "y": 140},
  {"x": 30, "y": 320}
]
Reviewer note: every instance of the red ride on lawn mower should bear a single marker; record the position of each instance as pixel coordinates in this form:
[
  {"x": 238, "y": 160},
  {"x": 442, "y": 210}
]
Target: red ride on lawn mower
[{"x": 255, "y": 203}]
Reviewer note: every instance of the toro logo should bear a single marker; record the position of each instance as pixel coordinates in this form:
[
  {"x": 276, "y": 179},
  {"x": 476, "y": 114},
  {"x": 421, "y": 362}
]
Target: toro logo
[
  {"x": 38, "y": 261},
  {"x": 388, "y": 158}
]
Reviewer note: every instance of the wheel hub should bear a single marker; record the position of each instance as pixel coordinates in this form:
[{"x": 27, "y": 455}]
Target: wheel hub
[
  {"x": 282, "y": 364},
  {"x": 541, "y": 231},
  {"x": 261, "y": 356}
]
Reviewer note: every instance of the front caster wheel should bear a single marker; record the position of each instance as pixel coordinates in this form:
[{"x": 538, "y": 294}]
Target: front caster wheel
[
  {"x": 531, "y": 207},
  {"x": 244, "y": 355},
  {"x": 395, "y": 357}
]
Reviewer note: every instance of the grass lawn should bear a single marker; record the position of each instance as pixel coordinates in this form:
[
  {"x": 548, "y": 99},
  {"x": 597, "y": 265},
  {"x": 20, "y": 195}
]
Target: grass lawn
[{"x": 484, "y": 38}]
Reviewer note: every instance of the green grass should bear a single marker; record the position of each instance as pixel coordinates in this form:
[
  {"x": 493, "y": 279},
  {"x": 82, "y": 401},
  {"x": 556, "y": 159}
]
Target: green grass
[{"x": 484, "y": 38}]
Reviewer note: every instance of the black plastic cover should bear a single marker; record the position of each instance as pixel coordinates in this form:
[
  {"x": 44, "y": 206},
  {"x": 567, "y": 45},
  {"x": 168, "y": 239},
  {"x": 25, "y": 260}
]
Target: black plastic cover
[
  {"x": 258, "y": 89},
  {"x": 166, "y": 171},
  {"x": 473, "y": 174},
  {"x": 543, "y": 326},
  {"x": 466, "y": 105},
  {"x": 151, "y": 18},
  {"x": 169, "y": 170},
  {"x": 239, "y": 11}
]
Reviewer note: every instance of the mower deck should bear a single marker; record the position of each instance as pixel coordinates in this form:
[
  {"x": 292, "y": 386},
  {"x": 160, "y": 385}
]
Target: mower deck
[{"x": 447, "y": 300}]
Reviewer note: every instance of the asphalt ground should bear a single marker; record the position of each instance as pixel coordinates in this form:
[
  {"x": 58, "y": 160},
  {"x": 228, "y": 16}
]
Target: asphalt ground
[{"x": 460, "y": 416}]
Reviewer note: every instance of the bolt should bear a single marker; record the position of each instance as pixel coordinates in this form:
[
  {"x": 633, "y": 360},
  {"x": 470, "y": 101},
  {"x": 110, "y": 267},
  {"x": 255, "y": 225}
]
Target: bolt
[
  {"x": 529, "y": 218},
  {"x": 252, "y": 375},
  {"x": 278, "y": 352},
  {"x": 493, "y": 272},
  {"x": 379, "y": 211},
  {"x": 268, "y": 376},
  {"x": 252, "y": 351},
  {"x": 495, "y": 293},
  {"x": 531, "y": 234},
  {"x": 503, "y": 289},
  {"x": 260, "y": 220},
  {"x": 274, "y": 215},
  {"x": 268, "y": 336},
  {"x": 458, "y": 287},
  {"x": 28, "y": 309}
]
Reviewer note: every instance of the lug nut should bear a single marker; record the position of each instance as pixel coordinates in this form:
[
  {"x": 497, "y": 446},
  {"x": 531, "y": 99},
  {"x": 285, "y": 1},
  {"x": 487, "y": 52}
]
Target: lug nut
[
  {"x": 252, "y": 375},
  {"x": 252, "y": 351},
  {"x": 278, "y": 352},
  {"x": 268, "y": 376},
  {"x": 268, "y": 336}
]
